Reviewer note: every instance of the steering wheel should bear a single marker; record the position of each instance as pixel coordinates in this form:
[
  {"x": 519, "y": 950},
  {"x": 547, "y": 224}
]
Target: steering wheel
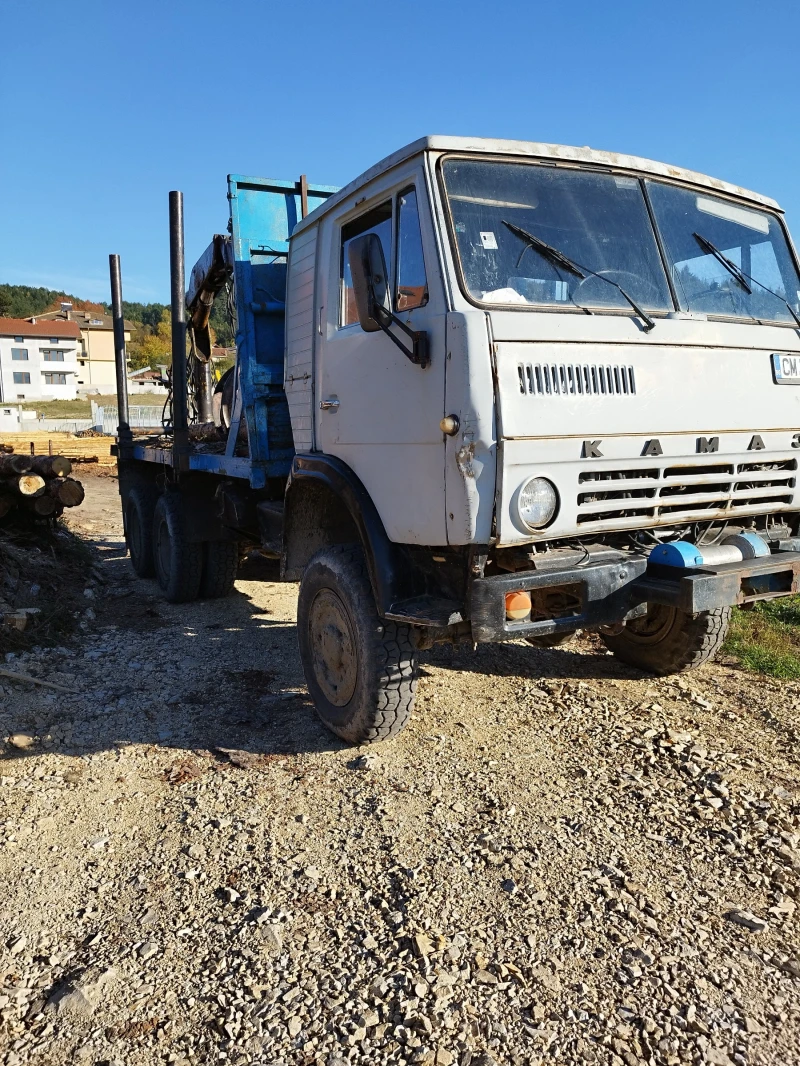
[{"x": 619, "y": 275}]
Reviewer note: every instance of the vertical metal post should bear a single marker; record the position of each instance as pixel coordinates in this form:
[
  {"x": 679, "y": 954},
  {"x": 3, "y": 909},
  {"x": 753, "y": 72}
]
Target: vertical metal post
[
  {"x": 180, "y": 396},
  {"x": 206, "y": 402},
  {"x": 303, "y": 196},
  {"x": 120, "y": 355}
]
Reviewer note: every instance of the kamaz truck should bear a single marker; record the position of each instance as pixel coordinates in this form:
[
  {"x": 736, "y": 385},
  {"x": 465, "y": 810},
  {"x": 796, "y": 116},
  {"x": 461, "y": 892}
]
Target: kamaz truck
[{"x": 490, "y": 390}]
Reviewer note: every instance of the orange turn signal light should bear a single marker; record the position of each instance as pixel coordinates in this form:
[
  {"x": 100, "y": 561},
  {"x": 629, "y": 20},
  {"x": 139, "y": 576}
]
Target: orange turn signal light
[{"x": 518, "y": 605}]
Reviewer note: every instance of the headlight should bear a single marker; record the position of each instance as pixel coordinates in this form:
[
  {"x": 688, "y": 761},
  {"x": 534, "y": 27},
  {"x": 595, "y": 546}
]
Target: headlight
[{"x": 537, "y": 503}]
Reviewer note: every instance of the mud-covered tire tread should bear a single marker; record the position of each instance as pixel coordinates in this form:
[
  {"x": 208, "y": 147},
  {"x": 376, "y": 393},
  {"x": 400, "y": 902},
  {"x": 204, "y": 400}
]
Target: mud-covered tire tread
[
  {"x": 142, "y": 499},
  {"x": 692, "y": 641},
  {"x": 186, "y": 570},
  {"x": 388, "y": 701},
  {"x": 220, "y": 564}
]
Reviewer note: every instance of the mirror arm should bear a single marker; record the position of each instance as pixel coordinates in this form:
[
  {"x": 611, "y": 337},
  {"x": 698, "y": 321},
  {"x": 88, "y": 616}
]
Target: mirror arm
[{"x": 418, "y": 353}]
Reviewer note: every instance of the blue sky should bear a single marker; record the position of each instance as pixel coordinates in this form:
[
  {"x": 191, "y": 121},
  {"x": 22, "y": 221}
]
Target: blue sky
[{"x": 105, "y": 107}]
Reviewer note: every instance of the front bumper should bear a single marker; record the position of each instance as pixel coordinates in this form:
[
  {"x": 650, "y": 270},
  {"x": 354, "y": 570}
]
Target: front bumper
[{"x": 612, "y": 591}]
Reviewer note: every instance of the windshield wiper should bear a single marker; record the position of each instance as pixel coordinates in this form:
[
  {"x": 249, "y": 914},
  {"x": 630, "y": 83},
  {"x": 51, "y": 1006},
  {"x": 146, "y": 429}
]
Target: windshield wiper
[
  {"x": 740, "y": 275},
  {"x": 730, "y": 266},
  {"x": 561, "y": 260}
]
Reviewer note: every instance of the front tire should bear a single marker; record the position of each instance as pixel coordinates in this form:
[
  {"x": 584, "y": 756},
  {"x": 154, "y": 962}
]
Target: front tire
[
  {"x": 178, "y": 561},
  {"x": 361, "y": 670},
  {"x": 669, "y": 641}
]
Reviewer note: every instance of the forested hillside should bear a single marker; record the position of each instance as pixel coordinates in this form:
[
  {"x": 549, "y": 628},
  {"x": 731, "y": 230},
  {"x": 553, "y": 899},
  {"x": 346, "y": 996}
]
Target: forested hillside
[
  {"x": 150, "y": 336},
  {"x": 23, "y": 301}
]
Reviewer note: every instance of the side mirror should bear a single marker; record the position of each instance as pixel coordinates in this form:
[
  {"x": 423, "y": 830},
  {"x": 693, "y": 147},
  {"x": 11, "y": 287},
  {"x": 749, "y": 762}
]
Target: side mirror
[{"x": 370, "y": 282}]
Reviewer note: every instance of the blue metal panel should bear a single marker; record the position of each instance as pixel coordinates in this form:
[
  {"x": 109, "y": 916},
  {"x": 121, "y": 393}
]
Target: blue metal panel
[{"x": 263, "y": 216}]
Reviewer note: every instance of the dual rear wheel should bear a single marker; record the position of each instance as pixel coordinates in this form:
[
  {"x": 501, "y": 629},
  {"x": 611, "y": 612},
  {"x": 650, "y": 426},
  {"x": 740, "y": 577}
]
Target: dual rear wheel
[{"x": 157, "y": 527}]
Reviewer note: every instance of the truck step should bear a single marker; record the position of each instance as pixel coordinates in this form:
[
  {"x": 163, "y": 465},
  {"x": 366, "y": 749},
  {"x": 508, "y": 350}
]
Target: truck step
[{"x": 426, "y": 611}]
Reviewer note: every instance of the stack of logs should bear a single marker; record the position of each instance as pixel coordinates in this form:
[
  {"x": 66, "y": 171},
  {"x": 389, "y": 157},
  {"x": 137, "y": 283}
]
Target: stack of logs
[{"x": 38, "y": 485}]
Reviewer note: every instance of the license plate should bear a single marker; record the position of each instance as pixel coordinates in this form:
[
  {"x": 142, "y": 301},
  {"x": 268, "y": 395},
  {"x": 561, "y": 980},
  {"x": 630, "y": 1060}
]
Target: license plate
[{"x": 786, "y": 369}]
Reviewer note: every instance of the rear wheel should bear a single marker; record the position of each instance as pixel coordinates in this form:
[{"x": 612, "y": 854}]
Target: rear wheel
[
  {"x": 669, "y": 641},
  {"x": 361, "y": 670},
  {"x": 178, "y": 561},
  {"x": 220, "y": 563},
  {"x": 139, "y": 511}
]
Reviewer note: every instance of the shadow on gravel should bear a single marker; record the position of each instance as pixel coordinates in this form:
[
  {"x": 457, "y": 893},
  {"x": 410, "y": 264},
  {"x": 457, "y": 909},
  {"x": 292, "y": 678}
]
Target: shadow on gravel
[
  {"x": 211, "y": 680},
  {"x": 517, "y": 660},
  {"x": 215, "y": 681}
]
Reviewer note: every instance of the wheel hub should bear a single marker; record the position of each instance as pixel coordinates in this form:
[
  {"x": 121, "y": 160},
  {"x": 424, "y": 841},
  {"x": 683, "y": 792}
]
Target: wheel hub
[
  {"x": 653, "y": 627},
  {"x": 334, "y": 648}
]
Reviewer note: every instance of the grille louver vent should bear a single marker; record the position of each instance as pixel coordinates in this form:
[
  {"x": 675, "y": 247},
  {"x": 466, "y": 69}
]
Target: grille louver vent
[
  {"x": 718, "y": 490},
  {"x": 568, "y": 379}
]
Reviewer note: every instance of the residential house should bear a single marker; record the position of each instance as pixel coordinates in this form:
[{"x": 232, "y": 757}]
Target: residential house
[
  {"x": 96, "y": 360},
  {"x": 38, "y": 360},
  {"x": 145, "y": 381}
]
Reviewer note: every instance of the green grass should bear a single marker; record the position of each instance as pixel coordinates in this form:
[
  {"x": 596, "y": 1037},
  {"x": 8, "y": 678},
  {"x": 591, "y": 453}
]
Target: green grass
[
  {"x": 766, "y": 640},
  {"x": 69, "y": 408}
]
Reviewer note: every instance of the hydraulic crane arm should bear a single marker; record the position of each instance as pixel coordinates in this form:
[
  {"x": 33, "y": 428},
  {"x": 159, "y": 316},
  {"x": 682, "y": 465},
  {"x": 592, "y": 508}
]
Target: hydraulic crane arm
[{"x": 210, "y": 274}]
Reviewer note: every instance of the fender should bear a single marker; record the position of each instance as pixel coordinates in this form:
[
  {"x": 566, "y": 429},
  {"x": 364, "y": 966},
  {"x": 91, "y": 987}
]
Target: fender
[{"x": 356, "y": 514}]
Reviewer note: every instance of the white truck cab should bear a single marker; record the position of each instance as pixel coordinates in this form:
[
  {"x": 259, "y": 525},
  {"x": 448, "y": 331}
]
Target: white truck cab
[{"x": 532, "y": 389}]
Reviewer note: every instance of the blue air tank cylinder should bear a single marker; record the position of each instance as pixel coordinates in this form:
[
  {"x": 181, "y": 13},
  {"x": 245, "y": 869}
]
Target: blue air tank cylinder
[{"x": 733, "y": 549}]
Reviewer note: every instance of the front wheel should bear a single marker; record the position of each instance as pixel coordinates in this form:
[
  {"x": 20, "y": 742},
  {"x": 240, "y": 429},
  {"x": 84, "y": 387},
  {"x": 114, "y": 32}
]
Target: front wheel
[
  {"x": 361, "y": 670},
  {"x": 669, "y": 641}
]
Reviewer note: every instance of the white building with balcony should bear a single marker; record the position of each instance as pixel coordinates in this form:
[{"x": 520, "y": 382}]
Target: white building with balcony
[{"x": 38, "y": 360}]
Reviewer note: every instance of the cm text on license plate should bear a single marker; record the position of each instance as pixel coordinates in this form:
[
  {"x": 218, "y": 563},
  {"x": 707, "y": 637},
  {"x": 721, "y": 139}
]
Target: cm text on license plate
[{"x": 786, "y": 369}]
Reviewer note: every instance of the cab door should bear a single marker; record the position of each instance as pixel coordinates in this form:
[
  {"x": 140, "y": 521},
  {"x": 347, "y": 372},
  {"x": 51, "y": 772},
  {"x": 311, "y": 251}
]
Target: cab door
[{"x": 374, "y": 408}]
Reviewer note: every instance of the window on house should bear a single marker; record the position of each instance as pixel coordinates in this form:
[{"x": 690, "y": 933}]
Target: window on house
[
  {"x": 19, "y": 354},
  {"x": 21, "y": 379},
  {"x": 410, "y": 279},
  {"x": 54, "y": 340},
  {"x": 51, "y": 355},
  {"x": 378, "y": 220},
  {"x": 55, "y": 379},
  {"x": 18, "y": 340}
]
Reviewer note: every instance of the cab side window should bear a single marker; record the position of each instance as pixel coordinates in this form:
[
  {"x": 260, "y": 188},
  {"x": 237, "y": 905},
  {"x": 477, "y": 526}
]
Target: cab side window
[
  {"x": 410, "y": 278},
  {"x": 378, "y": 220}
]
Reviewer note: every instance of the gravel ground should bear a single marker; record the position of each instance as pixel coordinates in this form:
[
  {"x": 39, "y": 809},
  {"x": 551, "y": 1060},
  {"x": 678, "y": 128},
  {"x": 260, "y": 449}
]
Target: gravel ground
[{"x": 559, "y": 861}]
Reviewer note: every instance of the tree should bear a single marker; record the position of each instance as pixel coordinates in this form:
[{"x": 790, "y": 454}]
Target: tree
[
  {"x": 156, "y": 345},
  {"x": 5, "y": 303}
]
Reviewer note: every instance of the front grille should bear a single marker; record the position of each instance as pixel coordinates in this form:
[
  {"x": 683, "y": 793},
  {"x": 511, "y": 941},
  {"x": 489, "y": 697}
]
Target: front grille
[
  {"x": 568, "y": 379},
  {"x": 685, "y": 493}
]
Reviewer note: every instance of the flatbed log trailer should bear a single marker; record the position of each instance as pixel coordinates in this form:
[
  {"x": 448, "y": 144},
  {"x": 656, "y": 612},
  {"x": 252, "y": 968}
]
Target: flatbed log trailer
[{"x": 490, "y": 390}]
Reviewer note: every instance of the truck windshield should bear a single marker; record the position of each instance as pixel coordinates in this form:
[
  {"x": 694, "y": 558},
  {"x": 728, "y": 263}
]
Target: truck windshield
[
  {"x": 694, "y": 226},
  {"x": 598, "y": 220}
]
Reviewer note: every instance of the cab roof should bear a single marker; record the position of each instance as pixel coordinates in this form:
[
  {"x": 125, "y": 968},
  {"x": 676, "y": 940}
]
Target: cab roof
[{"x": 538, "y": 150}]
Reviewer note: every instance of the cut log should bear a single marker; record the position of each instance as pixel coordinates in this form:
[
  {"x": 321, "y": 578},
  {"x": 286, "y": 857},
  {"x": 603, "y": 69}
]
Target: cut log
[
  {"x": 29, "y": 485},
  {"x": 67, "y": 491},
  {"x": 50, "y": 466},
  {"x": 43, "y": 506},
  {"x": 13, "y": 465}
]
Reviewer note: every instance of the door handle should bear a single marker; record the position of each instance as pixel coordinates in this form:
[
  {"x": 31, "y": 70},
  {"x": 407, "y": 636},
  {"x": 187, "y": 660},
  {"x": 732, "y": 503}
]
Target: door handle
[{"x": 328, "y": 405}]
